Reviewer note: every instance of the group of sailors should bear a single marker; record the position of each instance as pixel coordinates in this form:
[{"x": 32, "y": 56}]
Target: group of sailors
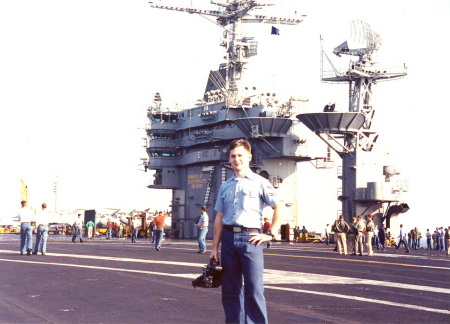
[{"x": 351, "y": 238}]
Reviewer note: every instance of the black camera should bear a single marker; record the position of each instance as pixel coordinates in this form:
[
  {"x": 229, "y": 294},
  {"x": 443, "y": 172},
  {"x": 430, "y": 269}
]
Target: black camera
[{"x": 211, "y": 277}]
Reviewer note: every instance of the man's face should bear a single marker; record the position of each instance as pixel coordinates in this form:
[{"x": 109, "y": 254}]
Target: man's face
[{"x": 240, "y": 159}]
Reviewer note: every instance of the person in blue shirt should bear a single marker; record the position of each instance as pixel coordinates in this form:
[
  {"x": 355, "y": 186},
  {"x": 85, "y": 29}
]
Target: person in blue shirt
[{"x": 237, "y": 227}]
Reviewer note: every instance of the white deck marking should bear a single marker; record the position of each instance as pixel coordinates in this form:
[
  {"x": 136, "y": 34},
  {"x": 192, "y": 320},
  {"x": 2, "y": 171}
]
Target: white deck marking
[
  {"x": 180, "y": 275},
  {"x": 370, "y": 300},
  {"x": 271, "y": 277},
  {"x": 279, "y": 277}
]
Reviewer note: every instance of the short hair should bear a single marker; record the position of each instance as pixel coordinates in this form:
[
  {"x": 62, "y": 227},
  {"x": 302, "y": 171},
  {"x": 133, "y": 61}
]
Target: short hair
[
  {"x": 239, "y": 142},
  {"x": 23, "y": 202},
  {"x": 203, "y": 208},
  {"x": 44, "y": 205}
]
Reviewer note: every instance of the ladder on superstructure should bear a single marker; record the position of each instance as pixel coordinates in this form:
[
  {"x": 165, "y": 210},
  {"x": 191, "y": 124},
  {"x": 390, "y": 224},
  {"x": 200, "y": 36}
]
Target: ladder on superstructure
[{"x": 208, "y": 187}]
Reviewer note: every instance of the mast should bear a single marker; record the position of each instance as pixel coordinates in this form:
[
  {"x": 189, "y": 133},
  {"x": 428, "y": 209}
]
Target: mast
[
  {"x": 239, "y": 49},
  {"x": 348, "y": 133}
]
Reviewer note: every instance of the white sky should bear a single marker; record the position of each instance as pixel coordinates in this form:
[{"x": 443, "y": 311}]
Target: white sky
[{"x": 76, "y": 78}]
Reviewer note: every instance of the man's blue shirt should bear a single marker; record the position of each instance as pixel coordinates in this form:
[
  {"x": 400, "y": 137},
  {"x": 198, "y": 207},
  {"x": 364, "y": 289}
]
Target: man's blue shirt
[{"x": 242, "y": 200}]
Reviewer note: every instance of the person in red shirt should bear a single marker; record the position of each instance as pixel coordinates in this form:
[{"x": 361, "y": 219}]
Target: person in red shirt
[
  {"x": 115, "y": 228},
  {"x": 266, "y": 227},
  {"x": 159, "y": 229},
  {"x": 108, "y": 229}
]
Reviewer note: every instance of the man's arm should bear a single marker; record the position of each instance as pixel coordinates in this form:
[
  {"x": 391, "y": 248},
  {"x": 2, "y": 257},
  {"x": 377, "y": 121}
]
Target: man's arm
[
  {"x": 217, "y": 236},
  {"x": 276, "y": 219}
]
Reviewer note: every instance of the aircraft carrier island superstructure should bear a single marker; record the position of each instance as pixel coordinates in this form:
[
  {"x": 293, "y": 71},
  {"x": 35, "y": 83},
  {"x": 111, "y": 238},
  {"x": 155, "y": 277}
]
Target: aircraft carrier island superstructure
[{"x": 188, "y": 148}]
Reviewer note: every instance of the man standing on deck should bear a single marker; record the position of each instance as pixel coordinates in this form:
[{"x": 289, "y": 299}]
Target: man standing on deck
[
  {"x": 108, "y": 229},
  {"x": 327, "y": 234},
  {"x": 78, "y": 229},
  {"x": 26, "y": 232},
  {"x": 360, "y": 227},
  {"x": 382, "y": 237},
  {"x": 42, "y": 220},
  {"x": 341, "y": 227},
  {"x": 134, "y": 232},
  {"x": 90, "y": 227},
  {"x": 239, "y": 207},
  {"x": 202, "y": 229},
  {"x": 351, "y": 237},
  {"x": 402, "y": 239},
  {"x": 159, "y": 229},
  {"x": 370, "y": 226}
]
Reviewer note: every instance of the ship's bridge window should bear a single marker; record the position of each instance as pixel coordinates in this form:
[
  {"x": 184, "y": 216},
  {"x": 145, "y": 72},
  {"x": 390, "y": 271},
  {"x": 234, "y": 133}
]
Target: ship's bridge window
[
  {"x": 165, "y": 118},
  {"x": 161, "y": 152},
  {"x": 161, "y": 135}
]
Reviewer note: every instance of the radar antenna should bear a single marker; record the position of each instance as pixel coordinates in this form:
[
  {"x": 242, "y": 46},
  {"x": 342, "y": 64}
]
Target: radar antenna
[
  {"x": 238, "y": 48},
  {"x": 361, "y": 74},
  {"x": 348, "y": 133}
]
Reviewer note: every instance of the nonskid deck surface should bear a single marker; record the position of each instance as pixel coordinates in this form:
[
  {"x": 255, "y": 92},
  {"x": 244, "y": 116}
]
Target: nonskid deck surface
[{"x": 116, "y": 281}]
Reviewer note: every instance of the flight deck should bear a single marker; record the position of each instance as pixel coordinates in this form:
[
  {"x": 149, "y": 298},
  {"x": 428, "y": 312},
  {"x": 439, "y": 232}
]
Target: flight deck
[{"x": 116, "y": 281}]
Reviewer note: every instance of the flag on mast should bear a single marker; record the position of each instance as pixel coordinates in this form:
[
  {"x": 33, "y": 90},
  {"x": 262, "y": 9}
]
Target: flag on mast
[{"x": 275, "y": 31}]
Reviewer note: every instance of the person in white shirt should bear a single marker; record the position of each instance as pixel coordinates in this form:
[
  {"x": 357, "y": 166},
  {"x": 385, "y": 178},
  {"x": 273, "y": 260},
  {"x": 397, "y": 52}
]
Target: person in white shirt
[
  {"x": 135, "y": 223},
  {"x": 25, "y": 217},
  {"x": 78, "y": 229},
  {"x": 42, "y": 219},
  {"x": 202, "y": 227},
  {"x": 327, "y": 234}
]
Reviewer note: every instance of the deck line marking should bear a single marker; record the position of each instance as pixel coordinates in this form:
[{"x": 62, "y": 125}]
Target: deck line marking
[
  {"x": 361, "y": 261},
  {"x": 95, "y": 257},
  {"x": 370, "y": 300},
  {"x": 376, "y": 301},
  {"x": 280, "y": 277},
  {"x": 106, "y": 268},
  {"x": 202, "y": 264},
  {"x": 271, "y": 276}
]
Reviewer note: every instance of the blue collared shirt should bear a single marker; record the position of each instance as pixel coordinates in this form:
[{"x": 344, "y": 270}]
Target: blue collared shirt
[{"x": 242, "y": 200}]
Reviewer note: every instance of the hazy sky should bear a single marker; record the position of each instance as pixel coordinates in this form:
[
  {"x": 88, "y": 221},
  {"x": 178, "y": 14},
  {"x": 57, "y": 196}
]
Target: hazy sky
[{"x": 76, "y": 78}]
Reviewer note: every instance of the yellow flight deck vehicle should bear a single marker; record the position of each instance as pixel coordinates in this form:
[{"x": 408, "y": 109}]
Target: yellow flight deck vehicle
[
  {"x": 311, "y": 237},
  {"x": 143, "y": 227}
]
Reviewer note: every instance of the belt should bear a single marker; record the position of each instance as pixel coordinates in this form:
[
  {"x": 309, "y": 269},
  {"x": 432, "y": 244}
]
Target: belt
[
  {"x": 238, "y": 229},
  {"x": 43, "y": 225}
]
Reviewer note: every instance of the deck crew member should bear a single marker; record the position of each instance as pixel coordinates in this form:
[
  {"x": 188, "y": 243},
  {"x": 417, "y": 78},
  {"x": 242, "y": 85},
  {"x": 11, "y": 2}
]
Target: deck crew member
[
  {"x": 42, "y": 219},
  {"x": 360, "y": 227},
  {"x": 202, "y": 229},
  {"x": 159, "y": 229},
  {"x": 78, "y": 229},
  {"x": 370, "y": 226},
  {"x": 134, "y": 234},
  {"x": 237, "y": 226},
  {"x": 340, "y": 227},
  {"x": 26, "y": 232}
]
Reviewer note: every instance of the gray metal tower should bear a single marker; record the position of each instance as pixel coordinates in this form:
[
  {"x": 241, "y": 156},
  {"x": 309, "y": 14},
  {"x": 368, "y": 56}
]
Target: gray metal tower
[{"x": 348, "y": 133}]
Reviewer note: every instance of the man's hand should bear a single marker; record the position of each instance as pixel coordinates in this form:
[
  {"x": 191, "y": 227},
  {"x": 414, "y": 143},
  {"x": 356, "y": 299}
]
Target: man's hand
[
  {"x": 259, "y": 238},
  {"x": 214, "y": 255}
]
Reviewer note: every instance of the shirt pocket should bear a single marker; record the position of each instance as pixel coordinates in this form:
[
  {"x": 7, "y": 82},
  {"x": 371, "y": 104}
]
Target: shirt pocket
[
  {"x": 227, "y": 197},
  {"x": 251, "y": 199}
]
